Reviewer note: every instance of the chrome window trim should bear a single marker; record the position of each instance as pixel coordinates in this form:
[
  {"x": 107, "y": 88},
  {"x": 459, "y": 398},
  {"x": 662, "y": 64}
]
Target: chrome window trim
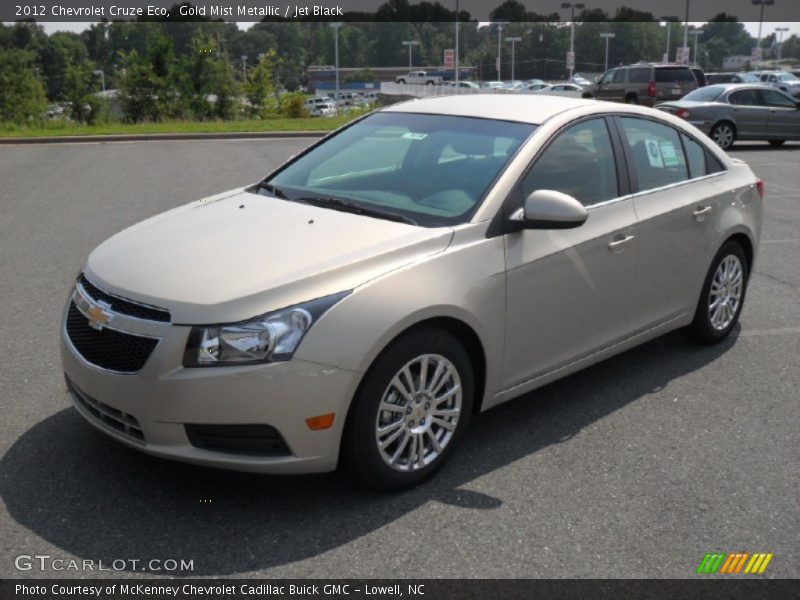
[{"x": 653, "y": 190}]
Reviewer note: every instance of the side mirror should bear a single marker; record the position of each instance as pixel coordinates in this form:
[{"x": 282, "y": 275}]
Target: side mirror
[{"x": 549, "y": 209}]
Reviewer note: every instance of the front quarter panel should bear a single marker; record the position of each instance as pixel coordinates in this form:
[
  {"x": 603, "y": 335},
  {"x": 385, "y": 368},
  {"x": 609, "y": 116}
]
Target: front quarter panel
[{"x": 466, "y": 282}]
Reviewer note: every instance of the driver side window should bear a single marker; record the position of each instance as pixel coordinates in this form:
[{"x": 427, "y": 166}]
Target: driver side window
[{"x": 579, "y": 162}]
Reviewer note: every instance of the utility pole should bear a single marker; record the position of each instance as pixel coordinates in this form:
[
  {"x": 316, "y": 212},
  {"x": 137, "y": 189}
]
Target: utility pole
[
  {"x": 669, "y": 31},
  {"x": 500, "y": 25},
  {"x": 780, "y": 31},
  {"x": 572, "y": 6},
  {"x": 607, "y": 36},
  {"x": 513, "y": 41},
  {"x": 410, "y": 45},
  {"x": 457, "y": 35},
  {"x": 336, "y": 26}
]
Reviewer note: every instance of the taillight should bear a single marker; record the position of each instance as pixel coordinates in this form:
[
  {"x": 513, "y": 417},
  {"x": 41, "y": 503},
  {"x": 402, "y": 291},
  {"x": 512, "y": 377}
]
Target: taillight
[
  {"x": 651, "y": 89},
  {"x": 760, "y": 187},
  {"x": 683, "y": 113}
]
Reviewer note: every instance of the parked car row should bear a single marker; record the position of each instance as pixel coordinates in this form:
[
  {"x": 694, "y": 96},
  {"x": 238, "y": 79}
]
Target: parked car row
[{"x": 324, "y": 106}]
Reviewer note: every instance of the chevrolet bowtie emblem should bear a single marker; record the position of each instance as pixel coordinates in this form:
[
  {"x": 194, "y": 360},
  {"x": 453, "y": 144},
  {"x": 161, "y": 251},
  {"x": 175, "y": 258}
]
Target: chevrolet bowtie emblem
[{"x": 97, "y": 316}]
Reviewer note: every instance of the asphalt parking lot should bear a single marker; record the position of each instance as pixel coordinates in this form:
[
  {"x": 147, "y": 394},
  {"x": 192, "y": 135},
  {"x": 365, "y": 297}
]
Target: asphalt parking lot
[{"x": 635, "y": 467}]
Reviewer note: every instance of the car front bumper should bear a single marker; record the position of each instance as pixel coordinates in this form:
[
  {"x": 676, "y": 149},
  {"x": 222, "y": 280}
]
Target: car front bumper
[{"x": 149, "y": 410}]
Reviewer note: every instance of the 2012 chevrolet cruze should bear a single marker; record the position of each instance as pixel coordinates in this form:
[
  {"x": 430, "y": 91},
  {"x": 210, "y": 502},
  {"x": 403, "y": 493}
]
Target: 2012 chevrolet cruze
[{"x": 426, "y": 262}]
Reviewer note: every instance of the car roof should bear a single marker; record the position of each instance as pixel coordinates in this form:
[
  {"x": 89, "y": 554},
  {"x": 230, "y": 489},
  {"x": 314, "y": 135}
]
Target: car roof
[{"x": 523, "y": 108}]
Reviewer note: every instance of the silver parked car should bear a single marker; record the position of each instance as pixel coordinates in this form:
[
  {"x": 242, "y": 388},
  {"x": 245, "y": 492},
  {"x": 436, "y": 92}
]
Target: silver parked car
[
  {"x": 731, "y": 112},
  {"x": 424, "y": 263}
]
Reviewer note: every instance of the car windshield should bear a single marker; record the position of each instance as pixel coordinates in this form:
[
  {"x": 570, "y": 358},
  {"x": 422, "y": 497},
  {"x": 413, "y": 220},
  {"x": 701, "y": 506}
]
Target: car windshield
[
  {"x": 705, "y": 94},
  {"x": 787, "y": 77},
  {"x": 430, "y": 169},
  {"x": 748, "y": 78}
]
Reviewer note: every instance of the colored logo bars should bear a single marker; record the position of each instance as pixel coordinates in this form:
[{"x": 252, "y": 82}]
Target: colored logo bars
[{"x": 734, "y": 563}]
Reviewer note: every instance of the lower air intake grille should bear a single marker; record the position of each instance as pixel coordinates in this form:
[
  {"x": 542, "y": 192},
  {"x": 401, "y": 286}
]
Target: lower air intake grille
[
  {"x": 107, "y": 415},
  {"x": 107, "y": 348},
  {"x": 256, "y": 440}
]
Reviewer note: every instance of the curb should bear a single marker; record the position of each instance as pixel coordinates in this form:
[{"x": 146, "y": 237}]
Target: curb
[{"x": 159, "y": 137}]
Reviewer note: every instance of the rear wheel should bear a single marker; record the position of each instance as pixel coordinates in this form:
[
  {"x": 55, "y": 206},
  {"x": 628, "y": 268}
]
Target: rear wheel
[
  {"x": 631, "y": 99},
  {"x": 410, "y": 412},
  {"x": 777, "y": 143},
  {"x": 722, "y": 297},
  {"x": 429, "y": 83},
  {"x": 724, "y": 135},
  {"x": 401, "y": 81}
]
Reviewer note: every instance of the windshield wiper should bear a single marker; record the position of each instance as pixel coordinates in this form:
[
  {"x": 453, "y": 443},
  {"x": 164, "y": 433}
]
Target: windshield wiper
[
  {"x": 351, "y": 207},
  {"x": 275, "y": 191}
]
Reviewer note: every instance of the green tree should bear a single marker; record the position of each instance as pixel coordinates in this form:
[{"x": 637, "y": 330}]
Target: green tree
[
  {"x": 22, "y": 96},
  {"x": 259, "y": 87}
]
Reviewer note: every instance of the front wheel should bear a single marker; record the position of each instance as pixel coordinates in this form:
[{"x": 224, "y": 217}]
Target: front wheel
[
  {"x": 777, "y": 143},
  {"x": 724, "y": 135},
  {"x": 722, "y": 297},
  {"x": 410, "y": 412}
]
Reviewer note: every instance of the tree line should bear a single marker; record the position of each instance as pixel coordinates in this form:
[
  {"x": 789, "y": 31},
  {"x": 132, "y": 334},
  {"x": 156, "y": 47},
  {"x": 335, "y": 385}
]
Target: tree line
[{"x": 202, "y": 69}]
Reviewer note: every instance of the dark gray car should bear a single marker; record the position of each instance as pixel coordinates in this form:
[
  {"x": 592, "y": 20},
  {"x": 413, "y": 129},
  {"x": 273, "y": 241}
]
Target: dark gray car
[
  {"x": 740, "y": 111},
  {"x": 643, "y": 83}
]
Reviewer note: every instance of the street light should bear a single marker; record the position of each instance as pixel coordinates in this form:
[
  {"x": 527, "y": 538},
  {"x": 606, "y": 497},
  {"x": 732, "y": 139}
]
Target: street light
[
  {"x": 456, "y": 56},
  {"x": 686, "y": 30},
  {"x": 762, "y": 4},
  {"x": 500, "y": 25},
  {"x": 410, "y": 45},
  {"x": 696, "y": 33},
  {"x": 607, "y": 36},
  {"x": 780, "y": 31},
  {"x": 669, "y": 31},
  {"x": 336, "y": 26},
  {"x": 513, "y": 41},
  {"x": 102, "y": 78},
  {"x": 572, "y": 6}
]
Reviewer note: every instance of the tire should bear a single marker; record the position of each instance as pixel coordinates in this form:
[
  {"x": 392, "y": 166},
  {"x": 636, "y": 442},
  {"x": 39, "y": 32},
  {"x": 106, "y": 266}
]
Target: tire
[
  {"x": 705, "y": 328},
  {"x": 723, "y": 134},
  {"x": 429, "y": 83},
  {"x": 631, "y": 99},
  {"x": 401, "y": 81},
  {"x": 777, "y": 143},
  {"x": 415, "y": 418}
]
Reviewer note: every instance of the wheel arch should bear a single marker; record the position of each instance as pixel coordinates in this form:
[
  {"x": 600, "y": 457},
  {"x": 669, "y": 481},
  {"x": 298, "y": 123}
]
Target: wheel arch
[{"x": 747, "y": 245}]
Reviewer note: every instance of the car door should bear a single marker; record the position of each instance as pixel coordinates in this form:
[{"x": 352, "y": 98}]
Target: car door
[
  {"x": 605, "y": 87},
  {"x": 750, "y": 113},
  {"x": 569, "y": 290},
  {"x": 676, "y": 211},
  {"x": 784, "y": 116}
]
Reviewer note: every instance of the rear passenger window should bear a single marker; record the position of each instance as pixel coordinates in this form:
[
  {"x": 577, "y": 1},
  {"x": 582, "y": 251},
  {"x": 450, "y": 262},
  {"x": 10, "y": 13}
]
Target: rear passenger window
[
  {"x": 696, "y": 156},
  {"x": 619, "y": 76},
  {"x": 639, "y": 75},
  {"x": 580, "y": 162},
  {"x": 657, "y": 153},
  {"x": 745, "y": 98}
]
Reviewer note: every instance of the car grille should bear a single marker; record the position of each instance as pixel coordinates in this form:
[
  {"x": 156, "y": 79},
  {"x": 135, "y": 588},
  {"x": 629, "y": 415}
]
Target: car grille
[
  {"x": 107, "y": 415},
  {"x": 107, "y": 348},
  {"x": 256, "y": 440},
  {"x": 125, "y": 307}
]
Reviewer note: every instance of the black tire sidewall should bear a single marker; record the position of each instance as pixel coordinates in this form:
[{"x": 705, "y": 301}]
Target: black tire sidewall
[
  {"x": 360, "y": 455},
  {"x": 701, "y": 328}
]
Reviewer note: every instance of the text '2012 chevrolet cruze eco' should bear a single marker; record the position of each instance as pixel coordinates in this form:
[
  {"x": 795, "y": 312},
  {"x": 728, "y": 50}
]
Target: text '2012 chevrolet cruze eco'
[{"x": 424, "y": 263}]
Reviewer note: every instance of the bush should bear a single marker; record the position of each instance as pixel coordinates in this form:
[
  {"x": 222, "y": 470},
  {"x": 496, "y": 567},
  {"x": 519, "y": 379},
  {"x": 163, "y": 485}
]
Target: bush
[
  {"x": 293, "y": 106},
  {"x": 22, "y": 96}
]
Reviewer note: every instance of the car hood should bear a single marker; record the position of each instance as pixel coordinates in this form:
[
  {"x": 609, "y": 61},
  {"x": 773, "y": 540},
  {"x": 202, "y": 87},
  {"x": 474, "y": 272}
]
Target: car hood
[{"x": 236, "y": 255}]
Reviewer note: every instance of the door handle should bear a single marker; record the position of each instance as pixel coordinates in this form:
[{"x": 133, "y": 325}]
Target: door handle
[
  {"x": 700, "y": 212},
  {"x": 619, "y": 243}
]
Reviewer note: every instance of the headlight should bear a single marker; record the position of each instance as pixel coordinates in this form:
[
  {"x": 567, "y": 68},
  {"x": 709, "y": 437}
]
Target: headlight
[{"x": 268, "y": 338}]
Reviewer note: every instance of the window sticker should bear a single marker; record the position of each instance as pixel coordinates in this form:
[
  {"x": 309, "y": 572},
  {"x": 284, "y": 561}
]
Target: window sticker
[
  {"x": 668, "y": 154},
  {"x": 654, "y": 154},
  {"x": 410, "y": 135}
]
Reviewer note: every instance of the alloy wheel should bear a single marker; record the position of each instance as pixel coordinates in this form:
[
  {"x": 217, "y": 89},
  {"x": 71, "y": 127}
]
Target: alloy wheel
[
  {"x": 723, "y": 136},
  {"x": 419, "y": 412},
  {"x": 726, "y": 292}
]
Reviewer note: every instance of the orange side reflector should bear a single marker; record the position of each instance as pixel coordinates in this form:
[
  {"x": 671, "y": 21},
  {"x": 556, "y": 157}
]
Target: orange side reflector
[{"x": 320, "y": 421}]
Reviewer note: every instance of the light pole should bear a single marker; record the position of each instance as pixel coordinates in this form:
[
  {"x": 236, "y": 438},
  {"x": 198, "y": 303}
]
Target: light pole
[
  {"x": 669, "y": 31},
  {"x": 696, "y": 33},
  {"x": 103, "y": 77},
  {"x": 513, "y": 41},
  {"x": 572, "y": 6},
  {"x": 686, "y": 28},
  {"x": 500, "y": 25},
  {"x": 780, "y": 31},
  {"x": 456, "y": 56},
  {"x": 336, "y": 26},
  {"x": 410, "y": 45},
  {"x": 244, "y": 68},
  {"x": 607, "y": 36},
  {"x": 762, "y": 4}
]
